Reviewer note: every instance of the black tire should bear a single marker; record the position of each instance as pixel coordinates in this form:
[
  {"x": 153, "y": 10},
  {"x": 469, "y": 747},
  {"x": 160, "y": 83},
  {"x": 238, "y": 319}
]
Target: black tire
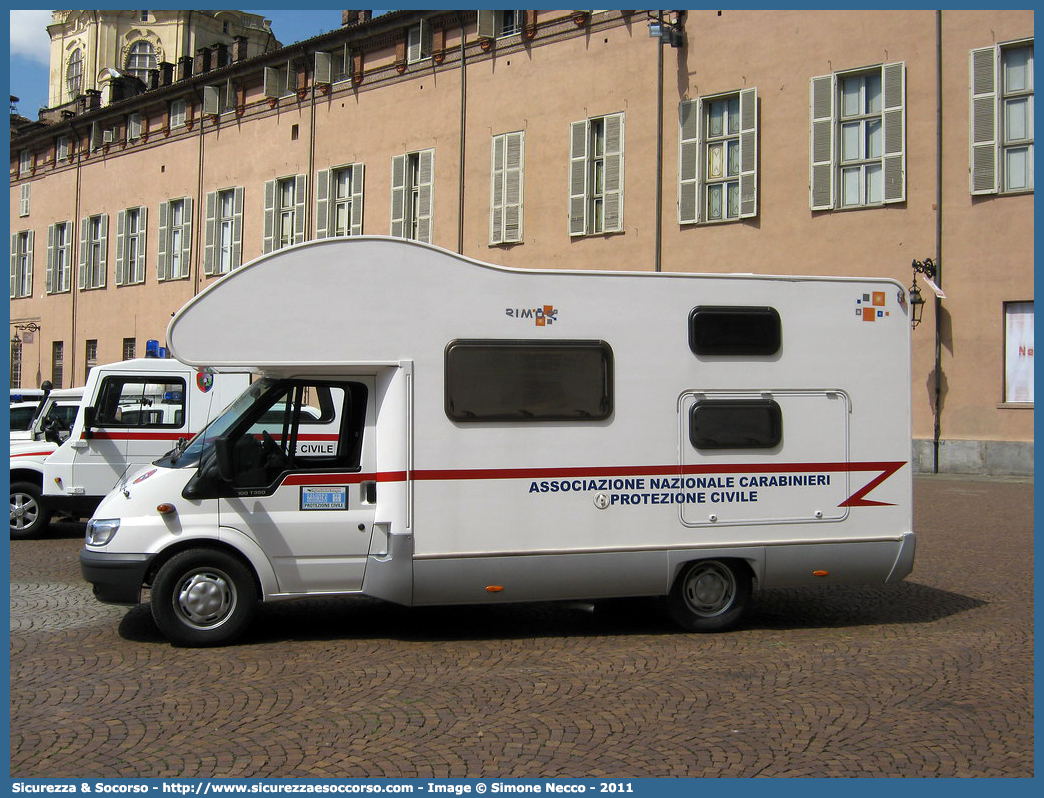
[
  {"x": 710, "y": 595},
  {"x": 203, "y": 597},
  {"x": 29, "y": 517}
]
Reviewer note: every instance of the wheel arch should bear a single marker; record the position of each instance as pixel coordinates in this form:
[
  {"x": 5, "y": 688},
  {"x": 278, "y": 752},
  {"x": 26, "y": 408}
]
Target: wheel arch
[
  {"x": 23, "y": 474},
  {"x": 752, "y": 557},
  {"x": 169, "y": 552}
]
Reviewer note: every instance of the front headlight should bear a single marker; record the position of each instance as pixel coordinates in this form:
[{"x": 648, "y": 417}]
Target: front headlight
[{"x": 101, "y": 530}]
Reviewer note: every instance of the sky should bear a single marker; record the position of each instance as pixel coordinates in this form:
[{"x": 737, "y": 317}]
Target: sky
[{"x": 31, "y": 52}]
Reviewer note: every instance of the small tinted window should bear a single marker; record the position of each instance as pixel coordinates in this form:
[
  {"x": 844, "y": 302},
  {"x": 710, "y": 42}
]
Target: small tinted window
[
  {"x": 725, "y": 330},
  {"x": 529, "y": 380},
  {"x": 735, "y": 424},
  {"x": 127, "y": 401}
]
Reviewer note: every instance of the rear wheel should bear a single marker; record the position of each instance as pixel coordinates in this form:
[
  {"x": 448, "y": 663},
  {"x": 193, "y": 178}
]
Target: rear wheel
[
  {"x": 28, "y": 516},
  {"x": 203, "y": 597},
  {"x": 710, "y": 595}
]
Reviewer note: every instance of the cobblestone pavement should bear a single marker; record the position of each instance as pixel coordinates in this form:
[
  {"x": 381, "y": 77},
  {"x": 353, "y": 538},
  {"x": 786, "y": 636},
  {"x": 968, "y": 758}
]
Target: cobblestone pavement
[{"x": 930, "y": 677}]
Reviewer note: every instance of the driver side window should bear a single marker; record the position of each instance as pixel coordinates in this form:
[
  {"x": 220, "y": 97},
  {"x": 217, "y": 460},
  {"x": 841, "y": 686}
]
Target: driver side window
[{"x": 303, "y": 426}]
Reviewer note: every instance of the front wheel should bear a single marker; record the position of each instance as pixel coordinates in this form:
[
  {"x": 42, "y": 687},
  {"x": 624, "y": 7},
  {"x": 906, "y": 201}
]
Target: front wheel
[
  {"x": 29, "y": 517},
  {"x": 203, "y": 597},
  {"x": 710, "y": 595}
]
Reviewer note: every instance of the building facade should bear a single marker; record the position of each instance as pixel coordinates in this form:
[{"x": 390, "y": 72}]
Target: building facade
[{"x": 797, "y": 142}]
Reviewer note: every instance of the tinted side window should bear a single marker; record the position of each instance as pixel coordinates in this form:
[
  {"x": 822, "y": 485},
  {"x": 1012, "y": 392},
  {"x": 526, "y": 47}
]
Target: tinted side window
[
  {"x": 735, "y": 424},
  {"x": 529, "y": 380},
  {"x": 726, "y": 330}
]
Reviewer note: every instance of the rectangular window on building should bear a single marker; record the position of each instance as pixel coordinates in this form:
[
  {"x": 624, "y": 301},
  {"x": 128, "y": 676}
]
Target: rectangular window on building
[
  {"x": 505, "y": 204},
  {"x": 133, "y": 126},
  {"x": 175, "y": 239},
  {"x": 61, "y": 148},
  {"x": 22, "y": 264},
  {"x": 280, "y": 81},
  {"x": 57, "y": 363},
  {"x": 129, "y": 349},
  {"x": 529, "y": 381},
  {"x": 178, "y": 113},
  {"x": 25, "y": 162},
  {"x": 596, "y": 176},
  {"x": 284, "y": 212},
  {"x": 23, "y": 205},
  {"x": 413, "y": 176},
  {"x": 858, "y": 124},
  {"x": 1018, "y": 352},
  {"x": 16, "y": 364},
  {"x": 718, "y": 158},
  {"x": 418, "y": 42},
  {"x": 1002, "y": 118},
  {"x": 223, "y": 249},
  {"x": 130, "y": 245},
  {"x": 339, "y": 201},
  {"x": 499, "y": 24},
  {"x": 59, "y": 257},
  {"x": 94, "y": 233},
  {"x": 90, "y": 357}
]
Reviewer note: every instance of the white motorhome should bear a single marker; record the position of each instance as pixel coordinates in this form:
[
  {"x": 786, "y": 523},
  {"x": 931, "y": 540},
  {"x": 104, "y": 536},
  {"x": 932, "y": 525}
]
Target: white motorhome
[
  {"x": 430, "y": 429},
  {"x": 133, "y": 412}
]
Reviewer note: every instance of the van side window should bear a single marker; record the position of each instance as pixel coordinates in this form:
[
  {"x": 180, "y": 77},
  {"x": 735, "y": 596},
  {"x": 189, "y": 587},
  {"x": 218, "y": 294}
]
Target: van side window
[
  {"x": 727, "y": 330},
  {"x": 128, "y": 401},
  {"x": 299, "y": 426},
  {"x": 528, "y": 381},
  {"x": 735, "y": 424}
]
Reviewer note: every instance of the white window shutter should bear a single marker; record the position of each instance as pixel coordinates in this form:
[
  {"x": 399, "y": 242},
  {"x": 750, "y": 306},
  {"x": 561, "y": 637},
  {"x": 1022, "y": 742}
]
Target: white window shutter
[
  {"x": 322, "y": 202},
  {"x": 50, "y": 278},
  {"x": 143, "y": 240},
  {"x": 893, "y": 80},
  {"x": 121, "y": 245},
  {"x": 984, "y": 111},
  {"x": 323, "y": 68},
  {"x": 29, "y": 260},
  {"x": 274, "y": 85},
  {"x": 821, "y": 178},
  {"x": 64, "y": 277},
  {"x": 162, "y": 256},
  {"x": 487, "y": 24},
  {"x": 748, "y": 153},
  {"x": 186, "y": 237},
  {"x": 614, "y": 173},
  {"x": 103, "y": 266},
  {"x": 358, "y": 172},
  {"x": 212, "y": 100},
  {"x": 514, "y": 165},
  {"x": 300, "y": 187},
  {"x": 85, "y": 248},
  {"x": 425, "y": 198},
  {"x": 496, "y": 191},
  {"x": 268, "y": 234},
  {"x": 689, "y": 115},
  {"x": 398, "y": 196},
  {"x": 237, "y": 227},
  {"x": 578, "y": 136}
]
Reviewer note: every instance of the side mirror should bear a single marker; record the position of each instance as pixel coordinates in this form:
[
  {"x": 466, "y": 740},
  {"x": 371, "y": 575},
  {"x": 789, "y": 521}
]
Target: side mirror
[
  {"x": 223, "y": 458},
  {"x": 90, "y": 415}
]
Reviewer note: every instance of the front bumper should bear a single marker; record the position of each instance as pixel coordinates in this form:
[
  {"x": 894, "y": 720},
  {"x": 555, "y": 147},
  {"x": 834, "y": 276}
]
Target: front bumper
[{"x": 116, "y": 578}]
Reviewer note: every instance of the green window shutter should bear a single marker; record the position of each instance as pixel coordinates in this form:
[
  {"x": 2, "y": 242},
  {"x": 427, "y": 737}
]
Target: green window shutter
[
  {"x": 210, "y": 234},
  {"x": 614, "y": 173},
  {"x": 51, "y": 278},
  {"x": 487, "y": 24},
  {"x": 322, "y": 201},
  {"x": 121, "y": 245},
  {"x": 821, "y": 178},
  {"x": 398, "y": 196},
  {"x": 748, "y": 143},
  {"x": 300, "y": 200},
  {"x": 274, "y": 85},
  {"x": 514, "y": 164},
  {"x": 85, "y": 248},
  {"x": 268, "y": 241},
  {"x": 323, "y": 68},
  {"x": 893, "y": 81},
  {"x": 186, "y": 238},
  {"x": 984, "y": 134},
  {"x": 358, "y": 172},
  {"x": 162, "y": 256},
  {"x": 578, "y": 136},
  {"x": 237, "y": 227},
  {"x": 425, "y": 194},
  {"x": 689, "y": 114}
]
